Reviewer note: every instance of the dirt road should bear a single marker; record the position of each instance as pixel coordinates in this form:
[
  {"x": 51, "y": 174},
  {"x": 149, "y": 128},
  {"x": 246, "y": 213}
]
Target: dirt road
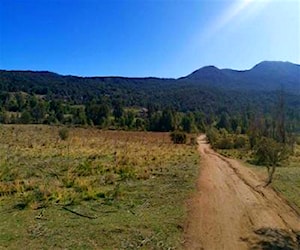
[{"x": 231, "y": 210}]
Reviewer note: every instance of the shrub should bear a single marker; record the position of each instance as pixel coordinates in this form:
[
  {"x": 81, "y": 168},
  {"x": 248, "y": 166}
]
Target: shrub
[
  {"x": 63, "y": 133},
  {"x": 240, "y": 142},
  {"x": 213, "y": 136},
  {"x": 225, "y": 143},
  {"x": 178, "y": 137},
  {"x": 220, "y": 139},
  {"x": 268, "y": 152}
]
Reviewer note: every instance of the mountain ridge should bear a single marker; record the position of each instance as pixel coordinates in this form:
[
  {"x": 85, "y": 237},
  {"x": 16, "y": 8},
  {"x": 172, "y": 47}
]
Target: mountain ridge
[
  {"x": 266, "y": 75},
  {"x": 210, "y": 90},
  {"x": 266, "y": 62}
]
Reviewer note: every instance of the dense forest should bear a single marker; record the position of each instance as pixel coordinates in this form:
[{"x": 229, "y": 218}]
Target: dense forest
[{"x": 227, "y": 99}]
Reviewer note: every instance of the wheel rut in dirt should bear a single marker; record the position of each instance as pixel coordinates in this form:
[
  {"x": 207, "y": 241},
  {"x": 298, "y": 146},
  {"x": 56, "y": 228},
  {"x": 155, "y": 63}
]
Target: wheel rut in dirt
[{"x": 232, "y": 209}]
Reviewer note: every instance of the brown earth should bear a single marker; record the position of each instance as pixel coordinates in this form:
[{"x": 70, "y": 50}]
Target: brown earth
[{"x": 232, "y": 210}]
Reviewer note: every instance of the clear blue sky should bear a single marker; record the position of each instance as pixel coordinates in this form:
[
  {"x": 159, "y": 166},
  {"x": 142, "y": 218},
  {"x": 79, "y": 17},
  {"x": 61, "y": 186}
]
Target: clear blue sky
[{"x": 163, "y": 38}]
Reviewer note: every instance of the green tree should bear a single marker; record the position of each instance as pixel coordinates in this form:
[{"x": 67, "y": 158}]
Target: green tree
[
  {"x": 270, "y": 153},
  {"x": 11, "y": 103},
  {"x": 224, "y": 122},
  {"x": 4, "y": 117},
  {"x": 154, "y": 122},
  {"x": 118, "y": 111},
  {"x": 129, "y": 119},
  {"x": 21, "y": 101},
  {"x": 139, "y": 124},
  {"x": 58, "y": 109},
  {"x": 98, "y": 113},
  {"x": 167, "y": 121},
  {"x": 200, "y": 121},
  {"x": 188, "y": 123},
  {"x": 26, "y": 117},
  {"x": 281, "y": 117},
  {"x": 79, "y": 116},
  {"x": 38, "y": 112}
]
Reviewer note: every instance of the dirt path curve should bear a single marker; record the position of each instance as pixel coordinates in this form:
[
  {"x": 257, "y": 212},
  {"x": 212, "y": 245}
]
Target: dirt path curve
[{"x": 231, "y": 209}]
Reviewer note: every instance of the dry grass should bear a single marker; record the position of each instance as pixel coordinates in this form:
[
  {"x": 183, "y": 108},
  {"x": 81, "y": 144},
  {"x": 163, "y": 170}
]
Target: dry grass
[{"x": 133, "y": 183}]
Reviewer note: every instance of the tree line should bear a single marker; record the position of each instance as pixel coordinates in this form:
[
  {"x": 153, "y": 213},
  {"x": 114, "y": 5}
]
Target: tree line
[
  {"x": 105, "y": 112},
  {"x": 33, "y": 109},
  {"x": 269, "y": 137}
]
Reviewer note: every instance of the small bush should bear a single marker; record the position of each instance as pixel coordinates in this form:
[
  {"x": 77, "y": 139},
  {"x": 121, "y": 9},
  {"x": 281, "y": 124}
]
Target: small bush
[
  {"x": 225, "y": 143},
  {"x": 63, "y": 134},
  {"x": 240, "y": 142},
  {"x": 213, "y": 136},
  {"x": 178, "y": 137},
  {"x": 221, "y": 139}
]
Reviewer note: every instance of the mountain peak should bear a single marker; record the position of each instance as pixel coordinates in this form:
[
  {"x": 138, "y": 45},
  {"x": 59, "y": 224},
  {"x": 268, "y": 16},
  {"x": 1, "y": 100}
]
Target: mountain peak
[
  {"x": 209, "y": 68},
  {"x": 208, "y": 75},
  {"x": 266, "y": 75},
  {"x": 272, "y": 64}
]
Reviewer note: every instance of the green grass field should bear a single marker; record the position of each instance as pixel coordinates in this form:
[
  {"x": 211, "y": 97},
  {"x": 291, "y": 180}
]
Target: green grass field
[
  {"x": 94, "y": 190},
  {"x": 287, "y": 178}
]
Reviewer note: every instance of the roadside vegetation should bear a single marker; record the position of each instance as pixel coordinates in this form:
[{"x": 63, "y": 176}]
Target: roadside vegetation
[
  {"x": 287, "y": 178},
  {"x": 271, "y": 141},
  {"x": 281, "y": 160},
  {"x": 86, "y": 188}
]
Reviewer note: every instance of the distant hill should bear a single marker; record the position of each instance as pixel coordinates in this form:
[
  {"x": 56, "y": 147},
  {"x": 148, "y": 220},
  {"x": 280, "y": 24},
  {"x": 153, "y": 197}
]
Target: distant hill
[
  {"x": 265, "y": 76},
  {"x": 207, "y": 89}
]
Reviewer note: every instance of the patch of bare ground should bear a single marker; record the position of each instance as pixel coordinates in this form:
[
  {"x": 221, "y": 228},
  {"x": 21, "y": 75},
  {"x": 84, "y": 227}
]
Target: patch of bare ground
[{"x": 232, "y": 209}]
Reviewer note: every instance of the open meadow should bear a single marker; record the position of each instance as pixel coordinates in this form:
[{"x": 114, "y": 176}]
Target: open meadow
[{"x": 90, "y": 189}]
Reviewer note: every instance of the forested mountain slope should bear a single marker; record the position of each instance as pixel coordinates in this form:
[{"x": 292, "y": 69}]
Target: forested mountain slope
[
  {"x": 266, "y": 76},
  {"x": 209, "y": 90}
]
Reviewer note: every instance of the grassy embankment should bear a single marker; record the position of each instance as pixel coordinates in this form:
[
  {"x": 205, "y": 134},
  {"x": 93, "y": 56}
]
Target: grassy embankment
[
  {"x": 95, "y": 190},
  {"x": 287, "y": 176}
]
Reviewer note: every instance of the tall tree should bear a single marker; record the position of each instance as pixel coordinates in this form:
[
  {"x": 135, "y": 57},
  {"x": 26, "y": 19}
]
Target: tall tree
[
  {"x": 281, "y": 123},
  {"x": 98, "y": 113},
  {"x": 188, "y": 123},
  {"x": 118, "y": 110},
  {"x": 167, "y": 122}
]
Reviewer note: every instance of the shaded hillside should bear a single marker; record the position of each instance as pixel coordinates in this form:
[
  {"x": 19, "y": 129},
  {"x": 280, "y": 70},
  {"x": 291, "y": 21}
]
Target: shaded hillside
[
  {"x": 208, "y": 90},
  {"x": 78, "y": 89},
  {"x": 267, "y": 76}
]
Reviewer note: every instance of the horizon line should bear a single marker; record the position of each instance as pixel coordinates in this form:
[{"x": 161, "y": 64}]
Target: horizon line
[{"x": 156, "y": 77}]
